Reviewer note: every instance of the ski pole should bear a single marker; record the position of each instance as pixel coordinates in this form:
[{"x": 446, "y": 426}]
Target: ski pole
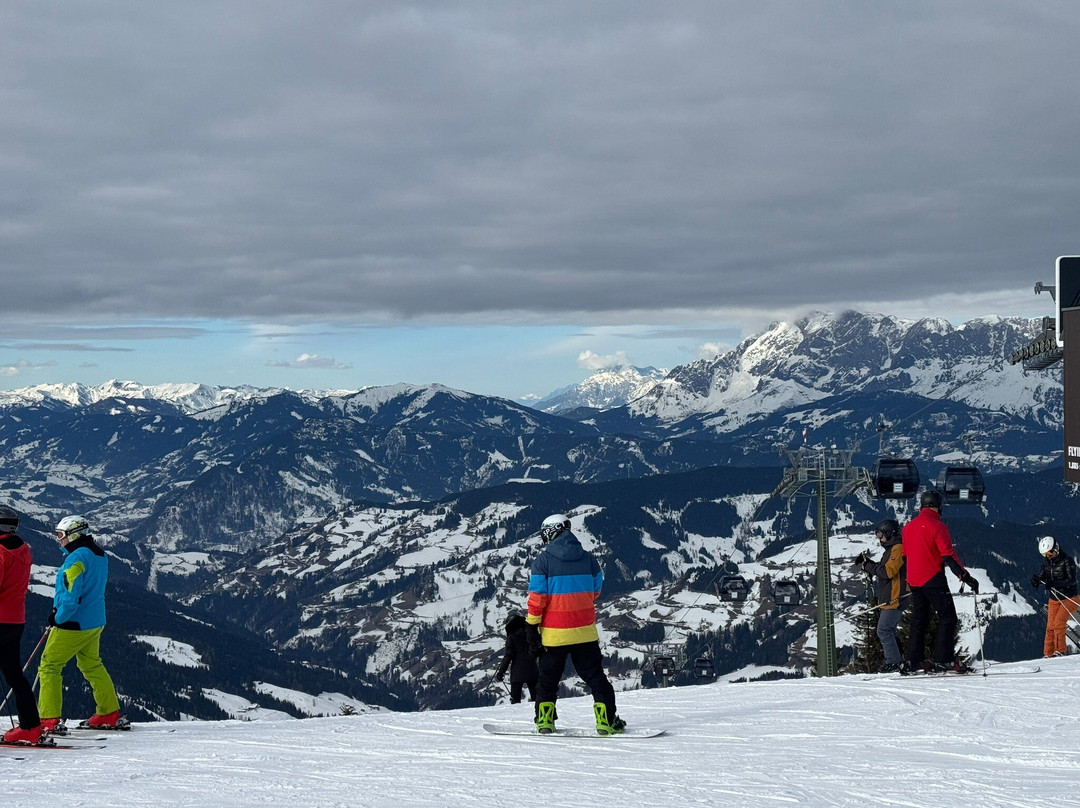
[
  {"x": 978, "y": 625},
  {"x": 869, "y": 609},
  {"x": 33, "y": 654}
]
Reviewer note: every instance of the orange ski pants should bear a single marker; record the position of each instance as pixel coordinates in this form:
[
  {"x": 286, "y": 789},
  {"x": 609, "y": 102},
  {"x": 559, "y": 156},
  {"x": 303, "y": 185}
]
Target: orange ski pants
[{"x": 1057, "y": 618}]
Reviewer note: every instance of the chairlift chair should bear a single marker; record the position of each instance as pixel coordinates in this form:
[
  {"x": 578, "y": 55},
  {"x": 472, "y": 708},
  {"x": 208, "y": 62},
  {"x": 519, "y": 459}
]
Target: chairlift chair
[
  {"x": 894, "y": 478},
  {"x": 663, "y": 666},
  {"x": 786, "y": 592},
  {"x": 961, "y": 485},
  {"x": 733, "y": 588}
]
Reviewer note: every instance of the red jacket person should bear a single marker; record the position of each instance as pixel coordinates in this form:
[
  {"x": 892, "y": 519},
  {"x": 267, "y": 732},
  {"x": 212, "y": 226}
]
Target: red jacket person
[{"x": 928, "y": 550}]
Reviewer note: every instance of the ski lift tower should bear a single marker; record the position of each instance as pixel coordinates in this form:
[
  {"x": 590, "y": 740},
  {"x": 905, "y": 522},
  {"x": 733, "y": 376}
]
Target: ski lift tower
[{"x": 830, "y": 471}]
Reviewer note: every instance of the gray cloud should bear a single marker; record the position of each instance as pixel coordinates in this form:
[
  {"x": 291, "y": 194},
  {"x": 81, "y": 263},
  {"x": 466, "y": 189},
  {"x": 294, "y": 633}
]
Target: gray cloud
[
  {"x": 332, "y": 160},
  {"x": 64, "y": 346}
]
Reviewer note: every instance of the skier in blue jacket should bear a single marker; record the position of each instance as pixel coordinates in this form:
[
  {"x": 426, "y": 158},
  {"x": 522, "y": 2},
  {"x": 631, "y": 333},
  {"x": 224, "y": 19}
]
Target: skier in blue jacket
[{"x": 78, "y": 618}]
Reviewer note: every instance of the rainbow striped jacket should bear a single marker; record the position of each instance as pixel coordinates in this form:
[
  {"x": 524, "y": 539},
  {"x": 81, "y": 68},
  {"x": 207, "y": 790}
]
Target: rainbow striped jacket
[{"x": 564, "y": 582}]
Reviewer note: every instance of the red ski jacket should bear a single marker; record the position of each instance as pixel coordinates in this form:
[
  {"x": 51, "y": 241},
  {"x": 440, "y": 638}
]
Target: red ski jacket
[
  {"x": 928, "y": 548},
  {"x": 15, "y": 561}
]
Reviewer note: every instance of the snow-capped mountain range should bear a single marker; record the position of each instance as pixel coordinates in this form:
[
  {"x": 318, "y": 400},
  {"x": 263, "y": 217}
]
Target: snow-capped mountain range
[
  {"x": 604, "y": 389},
  {"x": 383, "y": 531}
]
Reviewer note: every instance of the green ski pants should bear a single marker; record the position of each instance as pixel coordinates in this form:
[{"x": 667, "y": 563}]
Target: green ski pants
[{"x": 62, "y": 645}]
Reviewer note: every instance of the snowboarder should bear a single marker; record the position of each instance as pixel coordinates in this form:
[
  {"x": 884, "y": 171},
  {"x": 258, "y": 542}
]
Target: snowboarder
[
  {"x": 518, "y": 660},
  {"x": 1058, "y": 572},
  {"x": 890, "y": 589},
  {"x": 78, "y": 617},
  {"x": 928, "y": 549},
  {"x": 15, "y": 562},
  {"x": 564, "y": 583}
]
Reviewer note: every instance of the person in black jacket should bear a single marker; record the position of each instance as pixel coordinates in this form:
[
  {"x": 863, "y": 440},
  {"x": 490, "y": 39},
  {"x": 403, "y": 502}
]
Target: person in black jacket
[
  {"x": 890, "y": 590},
  {"x": 1058, "y": 572},
  {"x": 518, "y": 659}
]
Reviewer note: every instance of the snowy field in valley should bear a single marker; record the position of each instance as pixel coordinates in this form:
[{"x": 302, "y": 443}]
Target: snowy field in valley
[{"x": 956, "y": 742}]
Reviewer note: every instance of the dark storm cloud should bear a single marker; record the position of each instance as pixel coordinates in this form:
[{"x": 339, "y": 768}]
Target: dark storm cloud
[{"x": 343, "y": 160}]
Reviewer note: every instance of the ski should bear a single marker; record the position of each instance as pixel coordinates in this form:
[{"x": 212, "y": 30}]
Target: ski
[
  {"x": 47, "y": 745},
  {"x": 529, "y": 729},
  {"x": 975, "y": 674},
  {"x": 64, "y": 729},
  {"x": 978, "y": 673},
  {"x": 122, "y": 725}
]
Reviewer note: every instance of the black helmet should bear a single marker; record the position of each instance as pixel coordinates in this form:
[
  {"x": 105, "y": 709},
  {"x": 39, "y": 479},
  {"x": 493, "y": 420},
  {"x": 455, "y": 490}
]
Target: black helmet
[
  {"x": 887, "y": 528},
  {"x": 9, "y": 520},
  {"x": 930, "y": 498}
]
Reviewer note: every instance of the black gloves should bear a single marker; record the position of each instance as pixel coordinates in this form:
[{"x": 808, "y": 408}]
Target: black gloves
[
  {"x": 862, "y": 559},
  {"x": 971, "y": 582},
  {"x": 1036, "y": 581},
  {"x": 532, "y": 634},
  {"x": 52, "y": 618}
]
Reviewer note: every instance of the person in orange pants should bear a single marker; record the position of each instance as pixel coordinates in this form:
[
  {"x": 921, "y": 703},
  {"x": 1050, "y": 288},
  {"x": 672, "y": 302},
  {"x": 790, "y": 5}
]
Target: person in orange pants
[{"x": 1058, "y": 573}]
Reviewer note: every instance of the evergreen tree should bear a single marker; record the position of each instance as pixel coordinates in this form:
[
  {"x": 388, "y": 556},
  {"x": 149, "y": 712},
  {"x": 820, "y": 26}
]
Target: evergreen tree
[{"x": 868, "y": 654}]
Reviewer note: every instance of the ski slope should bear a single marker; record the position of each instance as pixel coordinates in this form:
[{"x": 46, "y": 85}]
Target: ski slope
[{"x": 955, "y": 742}]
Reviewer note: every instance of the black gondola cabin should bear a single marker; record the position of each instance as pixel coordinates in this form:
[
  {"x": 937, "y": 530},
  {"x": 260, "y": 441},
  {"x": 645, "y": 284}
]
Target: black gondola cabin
[
  {"x": 894, "y": 478},
  {"x": 733, "y": 588},
  {"x": 786, "y": 593},
  {"x": 663, "y": 666},
  {"x": 961, "y": 485}
]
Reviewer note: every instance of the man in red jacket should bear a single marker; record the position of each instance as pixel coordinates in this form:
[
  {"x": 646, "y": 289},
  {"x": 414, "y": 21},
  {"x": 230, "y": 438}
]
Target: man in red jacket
[
  {"x": 15, "y": 561},
  {"x": 928, "y": 550}
]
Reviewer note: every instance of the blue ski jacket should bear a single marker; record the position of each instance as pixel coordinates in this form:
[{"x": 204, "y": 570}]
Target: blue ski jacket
[{"x": 80, "y": 586}]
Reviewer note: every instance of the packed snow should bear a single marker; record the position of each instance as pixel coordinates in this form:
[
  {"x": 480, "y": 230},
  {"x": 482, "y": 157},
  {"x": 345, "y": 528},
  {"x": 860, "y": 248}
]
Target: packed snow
[{"x": 1007, "y": 739}]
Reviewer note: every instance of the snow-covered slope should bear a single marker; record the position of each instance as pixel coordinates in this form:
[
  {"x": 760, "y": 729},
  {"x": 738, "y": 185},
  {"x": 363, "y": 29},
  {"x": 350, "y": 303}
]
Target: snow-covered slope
[{"x": 1002, "y": 741}]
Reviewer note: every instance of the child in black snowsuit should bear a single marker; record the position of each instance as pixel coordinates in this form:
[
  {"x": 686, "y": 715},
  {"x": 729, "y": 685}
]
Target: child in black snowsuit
[{"x": 519, "y": 660}]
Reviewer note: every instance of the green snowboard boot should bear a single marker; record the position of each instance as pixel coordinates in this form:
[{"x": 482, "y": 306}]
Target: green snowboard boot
[
  {"x": 545, "y": 717},
  {"x": 605, "y": 726}
]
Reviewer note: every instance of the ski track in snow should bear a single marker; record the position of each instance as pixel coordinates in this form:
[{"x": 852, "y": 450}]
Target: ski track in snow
[{"x": 952, "y": 742}]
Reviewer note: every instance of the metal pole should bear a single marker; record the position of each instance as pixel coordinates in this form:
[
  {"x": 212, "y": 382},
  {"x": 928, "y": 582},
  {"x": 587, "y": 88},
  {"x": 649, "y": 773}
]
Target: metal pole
[{"x": 826, "y": 631}]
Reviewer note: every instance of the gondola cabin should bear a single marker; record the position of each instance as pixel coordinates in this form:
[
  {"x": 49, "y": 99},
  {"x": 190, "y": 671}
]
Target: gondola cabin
[
  {"x": 786, "y": 593},
  {"x": 961, "y": 485},
  {"x": 733, "y": 588},
  {"x": 704, "y": 668},
  {"x": 663, "y": 666},
  {"x": 894, "y": 478}
]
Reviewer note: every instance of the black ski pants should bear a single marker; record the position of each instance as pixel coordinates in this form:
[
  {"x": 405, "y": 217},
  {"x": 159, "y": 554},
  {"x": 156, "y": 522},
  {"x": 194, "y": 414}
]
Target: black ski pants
[
  {"x": 926, "y": 599},
  {"x": 517, "y": 689},
  {"x": 11, "y": 668},
  {"x": 589, "y": 665}
]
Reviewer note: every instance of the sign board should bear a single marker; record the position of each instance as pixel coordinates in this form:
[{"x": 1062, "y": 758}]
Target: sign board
[
  {"x": 1067, "y": 290},
  {"x": 1071, "y": 375}
]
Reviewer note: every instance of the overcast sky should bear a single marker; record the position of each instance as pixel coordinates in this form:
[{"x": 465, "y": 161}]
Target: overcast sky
[{"x": 336, "y": 194}]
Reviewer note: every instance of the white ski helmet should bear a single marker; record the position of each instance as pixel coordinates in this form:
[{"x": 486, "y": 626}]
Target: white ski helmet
[
  {"x": 1047, "y": 545},
  {"x": 553, "y": 526},
  {"x": 72, "y": 527}
]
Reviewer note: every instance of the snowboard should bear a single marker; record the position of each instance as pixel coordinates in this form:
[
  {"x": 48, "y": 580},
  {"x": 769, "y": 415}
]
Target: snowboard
[
  {"x": 523, "y": 728},
  {"x": 978, "y": 673}
]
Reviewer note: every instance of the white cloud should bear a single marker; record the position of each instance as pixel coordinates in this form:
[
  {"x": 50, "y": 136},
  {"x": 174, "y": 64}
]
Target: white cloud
[
  {"x": 710, "y": 350},
  {"x": 593, "y": 361},
  {"x": 310, "y": 361},
  {"x": 21, "y": 365}
]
